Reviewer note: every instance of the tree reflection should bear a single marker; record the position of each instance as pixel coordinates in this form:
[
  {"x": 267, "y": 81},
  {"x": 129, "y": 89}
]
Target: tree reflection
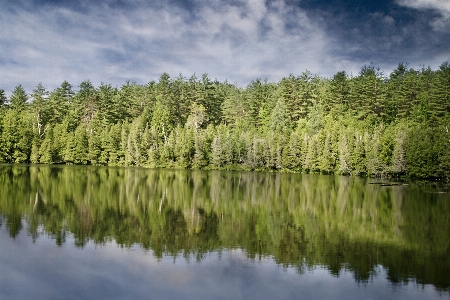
[{"x": 301, "y": 221}]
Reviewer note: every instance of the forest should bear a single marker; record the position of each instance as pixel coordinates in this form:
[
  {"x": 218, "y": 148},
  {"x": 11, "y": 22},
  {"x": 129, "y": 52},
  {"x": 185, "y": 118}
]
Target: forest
[{"x": 368, "y": 124}]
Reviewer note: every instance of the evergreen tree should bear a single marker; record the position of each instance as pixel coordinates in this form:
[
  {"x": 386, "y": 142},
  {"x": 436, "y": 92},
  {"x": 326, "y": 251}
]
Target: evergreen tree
[
  {"x": 327, "y": 158},
  {"x": 279, "y": 118},
  {"x": 77, "y": 147},
  {"x": 182, "y": 102},
  {"x": 59, "y": 140},
  {"x": 18, "y": 99},
  {"x": 11, "y": 137},
  {"x": 440, "y": 92},
  {"x": 421, "y": 156},
  {"x": 161, "y": 121},
  {"x": 59, "y": 102},
  {"x": 368, "y": 93},
  {"x": 340, "y": 90},
  {"x": 345, "y": 165},
  {"x": 197, "y": 116},
  {"x": 40, "y": 108},
  {"x": 363, "y": 125},
  {"x": 211, "y": 97},
  {"x": 398, "y": 165},
  {"x": 47, "y": 150},
  {"x": 113, "y": 145},
  {"x": 292, "y": 151},
  {"x": 107, "y": 110},
  {"x": 3, "y": 98},
  {"x": 358, "y": 156}
]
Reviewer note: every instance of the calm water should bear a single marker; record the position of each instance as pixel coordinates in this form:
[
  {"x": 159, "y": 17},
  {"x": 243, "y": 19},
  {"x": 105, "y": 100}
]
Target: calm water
[{"x": 116, "y": 233}]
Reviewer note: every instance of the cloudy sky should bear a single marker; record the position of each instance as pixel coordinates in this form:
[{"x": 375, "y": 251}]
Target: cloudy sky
[{"x": 114, "y": 41}]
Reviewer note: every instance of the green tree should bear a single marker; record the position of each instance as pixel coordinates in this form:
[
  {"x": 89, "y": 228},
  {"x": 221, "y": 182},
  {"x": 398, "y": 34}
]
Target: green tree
[
  {"x": 421, "y": 155},
  {"x": 161, "y": 121},
  {"x": 279, "y": 118},
  {"x": 440, "y": 92},
  {"x": 77, "y": 147},
  {"x": 368, "y": 93},
  {"x": 59, "y": 102},
  {"x": 3, "y": 98},
  {"x": 40, "y": 109},
  {"x": 18, "y": 98},
  {"x": 340, "y": 90},
  {"x": 47, "y": 150},
  {"x": 16, "y": 138},
  {"x": 398, "y": 165},
  {"x": 197, "y": 117}
]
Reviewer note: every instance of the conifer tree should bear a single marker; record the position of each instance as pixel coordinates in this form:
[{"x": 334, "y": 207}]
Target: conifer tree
[
  {"x": 3, "y": 99},
  {"x": 398, "y": 165},
  {"x": 40, "y": 108},
  {"x": 46, "y": 150},
  {"x": 358, "y": 156},
  {"x": 345, "y": 166},
  {"x": 440, "y": 92},
  {"x": 18, "y": 99}
]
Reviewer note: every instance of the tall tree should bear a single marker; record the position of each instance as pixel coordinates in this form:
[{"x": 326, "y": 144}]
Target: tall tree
[
  {"x": 40, "y": 109},
  {"x": 340, "y": 90},
  {"x": 368, "y": 93},
  {"x": 59, "y": 101},
  {"x": 18, "y": 98},
  {"x": 3, "y": 98},
  {"x": 440, "y": 92}
]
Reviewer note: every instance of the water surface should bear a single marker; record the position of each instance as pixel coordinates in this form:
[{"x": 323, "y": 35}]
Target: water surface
[{"x": 117, "y": 233}]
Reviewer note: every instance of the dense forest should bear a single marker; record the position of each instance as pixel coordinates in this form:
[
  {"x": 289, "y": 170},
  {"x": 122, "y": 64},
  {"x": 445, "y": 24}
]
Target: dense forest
[{"x": 369, "y": 124}]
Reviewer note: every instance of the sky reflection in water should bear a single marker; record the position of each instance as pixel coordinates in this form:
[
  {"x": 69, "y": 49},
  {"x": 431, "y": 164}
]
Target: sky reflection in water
[
  {"x": 312, "y": 236},
  {"x": 42, "y": 270}
]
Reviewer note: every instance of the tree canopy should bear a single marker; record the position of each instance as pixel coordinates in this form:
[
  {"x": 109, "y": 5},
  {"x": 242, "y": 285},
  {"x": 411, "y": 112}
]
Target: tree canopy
[{"x": 370, "y": 124}]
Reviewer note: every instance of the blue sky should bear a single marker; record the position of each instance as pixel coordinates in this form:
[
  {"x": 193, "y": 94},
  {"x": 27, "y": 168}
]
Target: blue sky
[{"x": 115, "y": 41}]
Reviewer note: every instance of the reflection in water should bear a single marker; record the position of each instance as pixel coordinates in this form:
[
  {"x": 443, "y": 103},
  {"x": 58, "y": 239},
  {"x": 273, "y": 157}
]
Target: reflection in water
[{"x": 346, "y": 225}]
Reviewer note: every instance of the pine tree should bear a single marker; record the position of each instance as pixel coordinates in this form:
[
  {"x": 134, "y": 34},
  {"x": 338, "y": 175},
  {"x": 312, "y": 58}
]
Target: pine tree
[
  {"x": 18, "y": 99},
  {"x": 40, "y": 109},
  {"x": 368, "y": 93},
  {"x": 421, "y": 158},
  {"x": 398, "y": 165},
  {"x": 311, "y": 161},
  {"x": 345, "y": 166},
  {"x": 9, "y": 136},
  {"x": 16, "y": 138},
  {"x": 292, "y": 151},
  {"x": 327, "y": 159},
  {"x": 35, "y": 155},
  {"x": 59, "y": 101},
  {"x": 279, "y": 118},
  {"x": 3, "y": 99},
  {"x": 197, "y": 117},
  {"x": 358, "y": 156},
  {"x": 161, "y": 121},
  {"x": 340, "y": 90},
  {"x": 46, "y": 150},
  {"x": 440, "y": 92}
]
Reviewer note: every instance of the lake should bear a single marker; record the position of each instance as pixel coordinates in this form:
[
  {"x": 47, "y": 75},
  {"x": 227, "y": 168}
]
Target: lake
[{"x": 83, "y": 232}]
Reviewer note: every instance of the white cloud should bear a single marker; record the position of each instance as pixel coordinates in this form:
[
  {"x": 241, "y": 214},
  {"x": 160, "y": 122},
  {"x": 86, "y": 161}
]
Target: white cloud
[
  {"x": 238, "y": 43},
  {"x": 441, "y": 5},
  {"x": 226, "y": 42}
]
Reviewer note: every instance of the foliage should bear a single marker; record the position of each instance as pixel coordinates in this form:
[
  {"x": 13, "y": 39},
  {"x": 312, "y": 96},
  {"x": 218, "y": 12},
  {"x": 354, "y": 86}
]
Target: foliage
[
  {"x": 343, "y": 224},
  {"x": 370, "y": 124}
]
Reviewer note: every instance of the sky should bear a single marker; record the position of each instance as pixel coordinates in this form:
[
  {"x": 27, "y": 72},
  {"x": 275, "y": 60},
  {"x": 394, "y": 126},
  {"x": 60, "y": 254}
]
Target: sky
[{"x": 115, "y": 41}]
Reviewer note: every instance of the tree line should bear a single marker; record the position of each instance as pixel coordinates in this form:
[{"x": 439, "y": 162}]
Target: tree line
[{"x": 370, "y": 124}]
